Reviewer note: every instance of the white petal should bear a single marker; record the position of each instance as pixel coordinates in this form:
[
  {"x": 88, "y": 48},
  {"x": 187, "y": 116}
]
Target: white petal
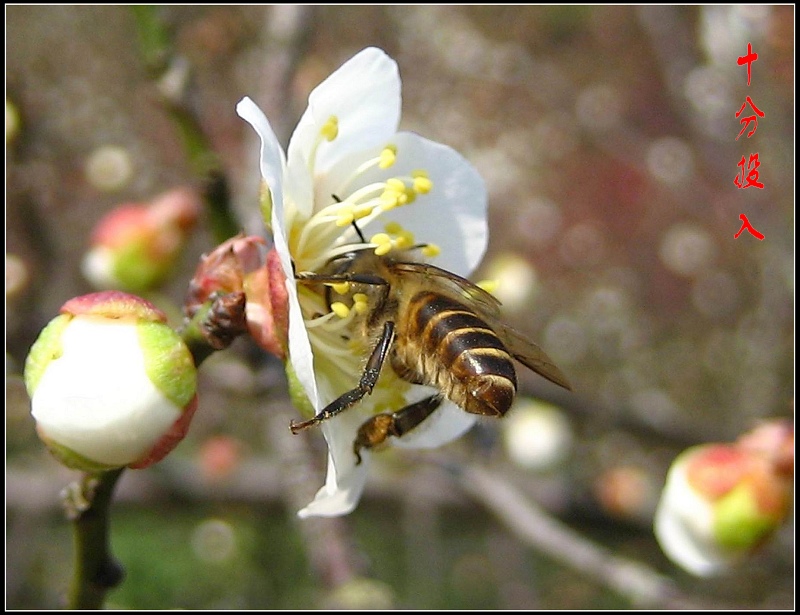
[
  {"x": 300, "y": 353},
  {"x": 452, "y": 215},
  {"x": 364, "y": 95},
  {"x": 96, "y": 398},
  {"x": 345, "y": 480},
  {"x": 272, "y": 169},
  {"x": 447, "y": 423},
  {"x": 272, "y": 159}
]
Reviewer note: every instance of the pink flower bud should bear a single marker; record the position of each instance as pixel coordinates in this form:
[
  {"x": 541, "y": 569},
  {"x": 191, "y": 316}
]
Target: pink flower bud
[
  {"x": 237, "y": 265},
  {"x": 223, "y": 270},
  {"x": 722, "y": 501},
  {"x": 136, "y": 246}
]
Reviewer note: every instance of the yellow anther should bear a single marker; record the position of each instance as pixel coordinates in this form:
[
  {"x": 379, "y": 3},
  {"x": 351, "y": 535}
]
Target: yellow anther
[
  {"x": 330, "y": 129},
  {"x": 345, "y": 216},
  {"x": 409, "y": 196},
  {"x": 341, "y": 288},
  {"x": 390, "y": 199},
  {"x": 360, "y": 303},
  {"x": 380, "y": 238},
  {"x": 489, "y": 285},
  {"x": 388, "y": 156},
  {"x": 405, "y": 239},
  {"x": 395, "y": 184},
  {"x": 393, "y": 228},
  {"x": 431, "y": 250},
  {"x": 384, "y": 243},
  {"x": 422, "y": 183},
  {"x": 362, "y": 212},
  {"x": 340, "y": 309}
]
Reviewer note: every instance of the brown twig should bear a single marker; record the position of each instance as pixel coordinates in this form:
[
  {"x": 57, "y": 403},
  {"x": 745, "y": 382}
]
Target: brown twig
[{"x": 641, "y": 585}]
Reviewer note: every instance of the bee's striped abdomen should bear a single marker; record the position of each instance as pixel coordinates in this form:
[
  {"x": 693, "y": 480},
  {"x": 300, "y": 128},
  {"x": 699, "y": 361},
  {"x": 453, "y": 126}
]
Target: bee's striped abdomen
[{"x": 469, "y": 361}]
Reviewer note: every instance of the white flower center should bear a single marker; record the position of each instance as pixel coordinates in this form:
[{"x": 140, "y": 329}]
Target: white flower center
[{"x": 325, "y": 235}]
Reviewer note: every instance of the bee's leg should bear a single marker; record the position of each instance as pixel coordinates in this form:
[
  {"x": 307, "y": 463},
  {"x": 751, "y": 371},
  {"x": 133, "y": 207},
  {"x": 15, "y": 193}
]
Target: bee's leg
[
  {"x": 335, "y": 278},
  {"x": 365, "y": 385},
  {"x": 381, "y": 426}
]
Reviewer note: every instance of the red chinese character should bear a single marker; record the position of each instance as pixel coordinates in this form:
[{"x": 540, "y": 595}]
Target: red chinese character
[
  {"x": 746, "y": 225},
  {"x": 748, "y": 59},
  {"x": 751, "y": 118},
  {"x": 752, "y": 173}
]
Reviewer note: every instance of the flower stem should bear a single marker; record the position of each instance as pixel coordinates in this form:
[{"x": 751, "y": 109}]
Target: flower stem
[{"x": 96, "y": 571}]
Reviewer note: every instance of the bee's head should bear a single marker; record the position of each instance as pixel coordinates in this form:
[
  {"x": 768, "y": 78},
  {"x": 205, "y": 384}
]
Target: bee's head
[{"x": 359, "y": 259}]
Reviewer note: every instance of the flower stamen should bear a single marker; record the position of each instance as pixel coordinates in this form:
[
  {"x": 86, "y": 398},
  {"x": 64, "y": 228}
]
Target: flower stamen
[
  {"x": 383, "y": 243},
  {"x": 328, "y": 132},
  {"x": 387, "y": 157},
  {"x": 330, "y": 129},
  {"x": 421, "y": 182},
  {"x": 430, "y": 250},
  {"x": 360, "y": 303},
  {"x": 341, "y": 288},
  {"x": 340, "y": 309}
]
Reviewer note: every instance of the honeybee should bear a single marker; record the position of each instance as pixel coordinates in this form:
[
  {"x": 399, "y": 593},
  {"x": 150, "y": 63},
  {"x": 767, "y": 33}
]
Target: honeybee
[{"x": 436, "y": 329}]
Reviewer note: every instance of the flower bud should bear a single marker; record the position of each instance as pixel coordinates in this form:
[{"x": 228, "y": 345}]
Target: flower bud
[
  {"x": 135, "y": 246},
  {"x": 222, "y": 271},
  {"x": 268, "y": 306},
  {"x": 238, "y": 265},
  {"x": 720, "y": 502},
  {"x": 111, "y": 384}
]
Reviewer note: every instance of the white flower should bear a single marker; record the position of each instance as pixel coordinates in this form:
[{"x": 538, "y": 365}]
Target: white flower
[
  {"x": 111, "y": 384},
  {"x": 345, "y": 162}
]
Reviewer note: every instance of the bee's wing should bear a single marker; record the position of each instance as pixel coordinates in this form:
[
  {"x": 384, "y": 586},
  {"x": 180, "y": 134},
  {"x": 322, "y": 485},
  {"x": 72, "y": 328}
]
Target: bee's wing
[
  {"x": 488, "y": 307},
  {"x": 453, "y": 286},
  {"x": 530, "y": 355}
]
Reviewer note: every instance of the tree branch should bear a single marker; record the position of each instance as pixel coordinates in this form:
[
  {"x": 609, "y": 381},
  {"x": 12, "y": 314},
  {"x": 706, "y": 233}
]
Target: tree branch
[{"x": 641, "y": 585}]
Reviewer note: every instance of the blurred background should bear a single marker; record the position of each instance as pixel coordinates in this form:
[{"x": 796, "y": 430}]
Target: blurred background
[{"x": 607, "y": 139}]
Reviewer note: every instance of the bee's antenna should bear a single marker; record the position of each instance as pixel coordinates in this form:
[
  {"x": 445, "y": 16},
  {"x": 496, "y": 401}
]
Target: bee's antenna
[{"x": 358, "y": 230}]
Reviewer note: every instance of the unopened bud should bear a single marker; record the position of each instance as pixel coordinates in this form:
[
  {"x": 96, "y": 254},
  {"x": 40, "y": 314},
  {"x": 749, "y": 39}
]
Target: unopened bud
[
  {"x": 720, "y": 503},
  {"x": 268, "y": 306},
  {"x": 111, "y": 384},
  {"x": 136, "y": 246}
]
